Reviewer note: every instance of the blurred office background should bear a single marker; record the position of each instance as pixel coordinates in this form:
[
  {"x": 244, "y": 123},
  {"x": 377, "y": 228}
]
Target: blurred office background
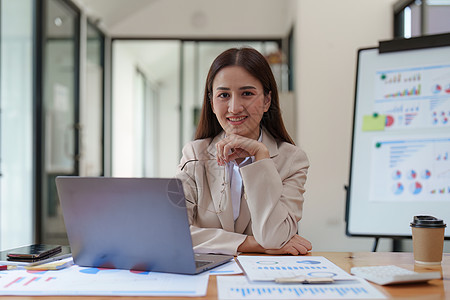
[{"x": 114, "y": 87}]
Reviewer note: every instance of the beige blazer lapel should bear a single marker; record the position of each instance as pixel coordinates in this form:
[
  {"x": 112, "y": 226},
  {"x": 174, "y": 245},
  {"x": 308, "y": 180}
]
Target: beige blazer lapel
[
  {"x": 244, "y": 216},
  {"x": 219, "y": 185}
]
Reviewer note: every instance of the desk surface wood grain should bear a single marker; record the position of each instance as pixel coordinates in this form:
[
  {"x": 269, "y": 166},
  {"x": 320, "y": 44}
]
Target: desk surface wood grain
[{"x": 434, "y": 289}]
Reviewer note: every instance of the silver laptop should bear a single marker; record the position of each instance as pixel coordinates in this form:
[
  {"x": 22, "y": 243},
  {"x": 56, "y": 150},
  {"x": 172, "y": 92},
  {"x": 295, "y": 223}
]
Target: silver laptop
[{"x": 130, "y": 223}]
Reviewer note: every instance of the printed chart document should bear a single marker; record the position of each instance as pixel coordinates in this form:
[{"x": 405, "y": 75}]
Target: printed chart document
[
  {"x": 84, "y": 281},
  {"x": 238, "y": 287},
  {"x": 268, "y": 268}
]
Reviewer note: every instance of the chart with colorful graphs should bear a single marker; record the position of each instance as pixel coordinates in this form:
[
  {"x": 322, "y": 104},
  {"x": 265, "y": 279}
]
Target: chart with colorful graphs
[
  {"x": 77, "y": 280},
  {"x": 238, "y": 287},
  {"x": 268, "y": 268},
  {"x": 400, "y": 163},
  {"x": 417, "y": 97},
  {"x": 410, "y": 169}
]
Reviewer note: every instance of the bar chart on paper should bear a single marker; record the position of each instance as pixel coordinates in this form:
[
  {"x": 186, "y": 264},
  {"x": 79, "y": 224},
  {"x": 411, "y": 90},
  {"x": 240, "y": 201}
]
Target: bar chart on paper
[
  {"x": 268, "y": 268},
  {"x": 25, "y": 281},
  {"x": 238, "y": 287}
]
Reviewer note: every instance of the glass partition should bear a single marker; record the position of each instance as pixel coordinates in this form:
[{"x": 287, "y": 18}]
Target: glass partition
[{"x": 16, "y": 123}]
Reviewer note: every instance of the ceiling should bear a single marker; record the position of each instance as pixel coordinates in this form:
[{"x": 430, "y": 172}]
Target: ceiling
[
  {"x": 109, "y": 13},
  {"x": 196, "y": 18}
]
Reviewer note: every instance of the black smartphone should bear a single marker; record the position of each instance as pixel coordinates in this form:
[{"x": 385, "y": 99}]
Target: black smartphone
[{"x": 33, "y": 252}]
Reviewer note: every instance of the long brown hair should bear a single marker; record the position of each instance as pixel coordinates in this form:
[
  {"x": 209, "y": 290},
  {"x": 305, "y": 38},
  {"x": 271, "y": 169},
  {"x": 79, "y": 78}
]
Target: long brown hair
[{"x": 255, "y": 63}]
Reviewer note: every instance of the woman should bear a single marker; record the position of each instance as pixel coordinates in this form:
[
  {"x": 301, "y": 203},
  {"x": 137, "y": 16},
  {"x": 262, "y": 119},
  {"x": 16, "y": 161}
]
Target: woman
[{"x": 243, "y": 176}]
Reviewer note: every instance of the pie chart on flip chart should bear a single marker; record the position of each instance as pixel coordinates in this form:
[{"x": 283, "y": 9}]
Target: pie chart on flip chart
[
  {"x": 436, "y": 89},
  {"x": 426, "y": 174},
  {"x": 412, "y": 174},
  {"x": 416, "y": 188},
  {"x": 398, "y": 188},
  {"x": 396, "y": 175},
  {"x": 389, "y": 121},
  {"x": 435, "y": 121}
]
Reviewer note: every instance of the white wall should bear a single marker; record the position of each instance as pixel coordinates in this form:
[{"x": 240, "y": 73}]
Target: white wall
[
  {"x": 169, "y": 130},
  {"x": 327, "y": 36}
]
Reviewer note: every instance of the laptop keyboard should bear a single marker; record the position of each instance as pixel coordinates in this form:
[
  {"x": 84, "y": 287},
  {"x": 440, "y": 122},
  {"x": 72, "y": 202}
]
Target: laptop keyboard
[{"x": 201, "y": 263}]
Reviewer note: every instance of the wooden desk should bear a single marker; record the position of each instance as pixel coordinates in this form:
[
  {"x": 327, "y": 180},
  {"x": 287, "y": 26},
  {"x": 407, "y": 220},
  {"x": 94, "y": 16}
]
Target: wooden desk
[{"x": 435, "y": 289}]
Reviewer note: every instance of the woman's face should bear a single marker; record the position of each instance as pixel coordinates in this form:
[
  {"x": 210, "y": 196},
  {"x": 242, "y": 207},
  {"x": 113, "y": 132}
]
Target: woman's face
[{"x": 238, "y": 101}]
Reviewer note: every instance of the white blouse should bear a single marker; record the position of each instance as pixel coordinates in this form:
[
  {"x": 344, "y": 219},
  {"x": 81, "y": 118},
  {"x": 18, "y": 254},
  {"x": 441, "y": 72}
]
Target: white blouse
[{"x": 236, "y": 181}]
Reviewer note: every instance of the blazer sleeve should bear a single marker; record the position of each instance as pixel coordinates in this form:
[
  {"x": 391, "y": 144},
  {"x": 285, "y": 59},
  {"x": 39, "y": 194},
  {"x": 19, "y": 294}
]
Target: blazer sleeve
[
  {"x": 207, "y": 238},
  {"x": 216, "y": 240},
  {"x": 186, "y": 173},
  {"x": 275, "y": 196}
]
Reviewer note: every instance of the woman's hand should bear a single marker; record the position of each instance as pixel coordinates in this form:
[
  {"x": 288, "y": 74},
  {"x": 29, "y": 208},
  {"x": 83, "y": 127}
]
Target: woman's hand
[
  {"x": 235, "y": 146},
  {"x": 296, "y": 246}
]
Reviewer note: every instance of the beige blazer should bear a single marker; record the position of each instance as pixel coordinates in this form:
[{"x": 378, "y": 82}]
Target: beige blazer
[{"x": 271, "y": 205}]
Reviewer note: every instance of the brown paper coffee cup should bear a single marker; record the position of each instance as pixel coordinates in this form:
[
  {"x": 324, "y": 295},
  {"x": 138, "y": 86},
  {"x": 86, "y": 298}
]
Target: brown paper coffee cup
[{"x": 428, "y": 239}]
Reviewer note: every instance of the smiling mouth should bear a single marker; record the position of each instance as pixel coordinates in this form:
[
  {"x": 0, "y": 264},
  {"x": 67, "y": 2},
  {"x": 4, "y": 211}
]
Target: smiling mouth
[{"x": 236, "y": 119}]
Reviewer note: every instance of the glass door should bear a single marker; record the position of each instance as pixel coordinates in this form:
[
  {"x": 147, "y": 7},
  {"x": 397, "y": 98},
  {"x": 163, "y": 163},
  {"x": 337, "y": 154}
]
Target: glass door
[{"x": 60, "y": 110}]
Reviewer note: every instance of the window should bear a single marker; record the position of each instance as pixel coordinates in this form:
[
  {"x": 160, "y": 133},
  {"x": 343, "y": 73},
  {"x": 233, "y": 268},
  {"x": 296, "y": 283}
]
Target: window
[{"x": 415, "y": 18}]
